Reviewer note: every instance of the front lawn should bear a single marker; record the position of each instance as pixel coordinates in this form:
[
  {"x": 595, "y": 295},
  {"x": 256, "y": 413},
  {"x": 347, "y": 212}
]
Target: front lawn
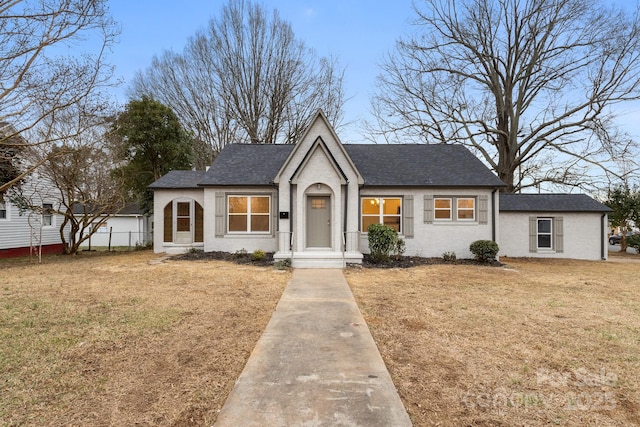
[{"x": 546, "y": 342}]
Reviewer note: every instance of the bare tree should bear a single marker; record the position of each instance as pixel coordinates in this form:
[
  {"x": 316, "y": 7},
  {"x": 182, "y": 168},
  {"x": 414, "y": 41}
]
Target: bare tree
[
  {"x": 80, "y": 168},
  {"x": 245, "y": 78},
  {"x": 37, "y": 81},
  {"x": 530, "y": 86}
]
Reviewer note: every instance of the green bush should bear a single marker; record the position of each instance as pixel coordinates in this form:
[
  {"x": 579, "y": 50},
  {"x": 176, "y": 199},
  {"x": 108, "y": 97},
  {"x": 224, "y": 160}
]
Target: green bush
[
  {"x": 449, "y": 256},
  {"x": 257, "y": 255},
  {"x": 633, "y": 241},
  {"x": 484, "y": 250},
  {"x": 383, "y": 241},
  {"x": 401, "y": 246}
]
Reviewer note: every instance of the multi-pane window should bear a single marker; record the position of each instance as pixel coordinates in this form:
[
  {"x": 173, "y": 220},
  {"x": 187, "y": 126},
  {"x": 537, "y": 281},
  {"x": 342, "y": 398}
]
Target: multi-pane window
[
  {"x": 442, "y": 208},
  {"x": 183, "y": 216},
  {"x": 466, "y": 209},
  {"x": 544, "y": 233},
  {"x": 47, "y": 214},
  {"x": 382, "y": 210},
  {"x": 454, "y": 208},
  {"x": 249, "y": 214},
  {"x": 3, "y": 209}
]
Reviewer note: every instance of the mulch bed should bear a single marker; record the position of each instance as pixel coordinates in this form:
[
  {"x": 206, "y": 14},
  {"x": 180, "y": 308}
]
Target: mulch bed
[
  {"x": 236, "y": 257},
  {"x": 367, "y": 261}
]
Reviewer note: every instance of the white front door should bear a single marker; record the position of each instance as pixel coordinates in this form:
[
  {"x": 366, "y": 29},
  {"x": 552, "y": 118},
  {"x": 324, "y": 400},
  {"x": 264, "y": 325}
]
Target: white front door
[
  {"x": 318, "y": 222},
  {"x": 183, "y": 223}
]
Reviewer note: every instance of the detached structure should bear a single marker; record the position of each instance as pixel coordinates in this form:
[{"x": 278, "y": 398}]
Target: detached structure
[{"x": 312, "y": 202}]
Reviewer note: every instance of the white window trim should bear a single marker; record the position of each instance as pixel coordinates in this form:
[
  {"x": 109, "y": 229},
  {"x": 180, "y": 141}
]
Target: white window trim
[
  {"x": 550, "y": 234},
  {"x": 52, "y": 215},
  {"x": 249, "y": 197},
  {"x": 381, "y": 213},
  {"x": 458, "y": 209},
  {"x": 436, "y": 209},
  {"x": 7, "y": 210},
  {"x": 453, "y": 203}
]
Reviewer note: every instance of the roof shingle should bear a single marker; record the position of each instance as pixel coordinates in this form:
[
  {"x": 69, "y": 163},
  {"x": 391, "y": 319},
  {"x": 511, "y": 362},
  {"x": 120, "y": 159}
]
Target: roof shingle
[
  {"x": 178, "y": 180},
  {"x": 431, "y": 165},
  {"x": 247, "y": 164},
  {"x": 550, "y": 203}
]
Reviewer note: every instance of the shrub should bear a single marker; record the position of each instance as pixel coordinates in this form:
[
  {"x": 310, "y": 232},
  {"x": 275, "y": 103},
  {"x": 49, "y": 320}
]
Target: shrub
[
  {"x": 633, "y": 241},
  {"x": 484, "y": 250},
  {"x": 283, "y": 264},
  {"x": 383, "y": 240},
  {"x": 401, "y": 246},
  {"x": 257, "y": 255},
  {"x": 449, "y": 256}
]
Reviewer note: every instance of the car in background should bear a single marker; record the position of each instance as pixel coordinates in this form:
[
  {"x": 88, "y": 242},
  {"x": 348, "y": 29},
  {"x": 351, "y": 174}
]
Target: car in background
[{"x": 615, "y": 239}]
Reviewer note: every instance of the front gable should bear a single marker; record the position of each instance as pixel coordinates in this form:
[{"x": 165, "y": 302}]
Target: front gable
[{"x": 319, "y": 139}]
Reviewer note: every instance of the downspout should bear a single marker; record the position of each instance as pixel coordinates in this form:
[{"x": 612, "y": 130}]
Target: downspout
[
  {"x": 493, "y": 214},
  {"x": 602, "y": 237}
]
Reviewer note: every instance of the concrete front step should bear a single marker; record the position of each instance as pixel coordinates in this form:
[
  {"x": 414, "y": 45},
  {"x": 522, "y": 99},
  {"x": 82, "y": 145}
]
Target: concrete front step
[{"x": 320, "y": 259}]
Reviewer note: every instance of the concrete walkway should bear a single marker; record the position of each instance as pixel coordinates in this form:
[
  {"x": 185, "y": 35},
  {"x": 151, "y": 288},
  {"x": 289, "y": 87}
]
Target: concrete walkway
[{"x": 315, "y": 365}]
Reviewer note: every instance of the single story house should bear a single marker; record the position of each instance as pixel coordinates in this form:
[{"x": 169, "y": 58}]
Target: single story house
[
  {"x": 312, "y": 202},
  {"x": 24, "y": 231}
]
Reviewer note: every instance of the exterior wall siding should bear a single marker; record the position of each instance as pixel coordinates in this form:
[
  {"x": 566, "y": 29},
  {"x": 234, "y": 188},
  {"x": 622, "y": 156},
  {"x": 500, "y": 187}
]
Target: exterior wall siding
[
  {"x": 235, "y": 242},
  {"x": 582, "y": 238},
  {"x": 433, "y": 239},
  {"x": 25, "y": 229}
]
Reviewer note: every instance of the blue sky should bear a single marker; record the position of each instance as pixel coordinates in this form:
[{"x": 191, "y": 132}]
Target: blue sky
[{"x": 357, "y": 32}]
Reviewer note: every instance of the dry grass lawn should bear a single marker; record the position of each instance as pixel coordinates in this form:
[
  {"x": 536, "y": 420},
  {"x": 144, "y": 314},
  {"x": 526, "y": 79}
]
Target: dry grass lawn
[
  {"x": 109, "y": 340},
  {"x": 551, "y": 342}
]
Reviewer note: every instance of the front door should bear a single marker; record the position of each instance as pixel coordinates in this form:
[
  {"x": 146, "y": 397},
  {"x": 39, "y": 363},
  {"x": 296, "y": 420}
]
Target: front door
[
  {"x": 183, "y": 223},
  {"x": 318, "y": 222}
]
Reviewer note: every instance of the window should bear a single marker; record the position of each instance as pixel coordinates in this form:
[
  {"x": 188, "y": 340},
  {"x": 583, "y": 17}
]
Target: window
[
  {"x": 378, "y": 210},
  {"x": 465, "y": 208},
  {"x": 249, "y": 214},
  {"x": 442, "y": 208},
  {"x": 3, "y": 210},
  {"x": 47, "y": 214},
  {"x": 544, "y": 233}
]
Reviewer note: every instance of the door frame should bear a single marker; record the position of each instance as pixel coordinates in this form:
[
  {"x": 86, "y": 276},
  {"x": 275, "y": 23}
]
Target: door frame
[{"x": 329, "y": 236}]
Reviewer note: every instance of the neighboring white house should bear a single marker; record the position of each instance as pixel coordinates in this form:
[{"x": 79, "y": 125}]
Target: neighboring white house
[
  {"x": 312, "y": 202},
  {"x": 26, "y": 231},
  {"x": 128, "y": 227}
]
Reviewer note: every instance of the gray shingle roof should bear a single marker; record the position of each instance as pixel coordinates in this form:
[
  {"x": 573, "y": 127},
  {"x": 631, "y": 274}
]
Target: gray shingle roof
[
  {"x": 550, "y": 203},
  {"x": 380, "y": 165},
  {"x": 421, "y": 165},
  {"x": 247, "y": 164},
  {"x": 178, "y": 179}
]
